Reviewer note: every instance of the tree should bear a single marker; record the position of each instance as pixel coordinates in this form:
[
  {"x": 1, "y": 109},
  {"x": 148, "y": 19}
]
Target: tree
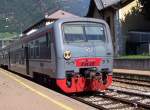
[{"x": 145, "y": 8}]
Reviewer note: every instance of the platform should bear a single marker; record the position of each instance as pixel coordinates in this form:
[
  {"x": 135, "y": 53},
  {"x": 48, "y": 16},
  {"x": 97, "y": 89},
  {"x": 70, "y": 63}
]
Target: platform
[
  {"x": 137, "y": 72},
  {"x": 17, "y": 93},
  {"x": 132, "y": 74}
]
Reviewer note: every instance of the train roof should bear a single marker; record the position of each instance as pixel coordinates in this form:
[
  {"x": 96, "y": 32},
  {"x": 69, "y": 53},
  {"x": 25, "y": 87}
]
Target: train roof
[
  {"x": 59, "y": 14},
  {"x": 60, "y": 21},
  {"x": 46, "y": 28}
]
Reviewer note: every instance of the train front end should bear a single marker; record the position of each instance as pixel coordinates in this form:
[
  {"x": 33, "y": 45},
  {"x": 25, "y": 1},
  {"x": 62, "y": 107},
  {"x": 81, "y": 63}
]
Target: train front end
[{"x": 84, "y": 55}]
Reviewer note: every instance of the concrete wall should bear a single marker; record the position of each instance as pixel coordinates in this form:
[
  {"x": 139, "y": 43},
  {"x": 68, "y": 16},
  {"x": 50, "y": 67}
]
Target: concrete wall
[{"x": 133, "y": 64}]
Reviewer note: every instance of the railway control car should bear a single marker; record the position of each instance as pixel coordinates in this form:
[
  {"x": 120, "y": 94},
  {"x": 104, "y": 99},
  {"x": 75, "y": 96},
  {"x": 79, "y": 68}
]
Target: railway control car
[{"x": 73, "y": 53}]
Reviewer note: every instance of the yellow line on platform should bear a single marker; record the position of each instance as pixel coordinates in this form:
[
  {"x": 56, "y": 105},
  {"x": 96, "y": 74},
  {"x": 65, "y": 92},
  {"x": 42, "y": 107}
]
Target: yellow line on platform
[{"x": 39, "y": 93}]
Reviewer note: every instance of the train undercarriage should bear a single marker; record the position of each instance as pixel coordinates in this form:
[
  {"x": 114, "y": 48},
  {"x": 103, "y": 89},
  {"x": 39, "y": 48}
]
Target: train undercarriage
[{"x": 86, "y": 80}]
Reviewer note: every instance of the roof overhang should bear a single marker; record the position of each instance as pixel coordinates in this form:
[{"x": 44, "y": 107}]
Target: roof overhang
[{"x": 103, "y": 4}]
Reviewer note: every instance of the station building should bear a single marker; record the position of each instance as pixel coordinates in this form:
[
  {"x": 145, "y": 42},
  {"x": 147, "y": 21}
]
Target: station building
[
  {"x": 109, "y": 11},
  {"x": 6, "y": 41},
  {"x": 123, "y": 17}
]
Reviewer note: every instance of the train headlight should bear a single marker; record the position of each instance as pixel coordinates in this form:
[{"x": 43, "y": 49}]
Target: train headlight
[{"x": 67, "y": 54}]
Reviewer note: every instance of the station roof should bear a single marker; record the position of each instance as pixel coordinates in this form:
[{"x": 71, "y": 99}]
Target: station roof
[
  {"x": 60, "y": 14},
  {"x": 50, "y": 18},
  {"x": 102, "y": 4}
]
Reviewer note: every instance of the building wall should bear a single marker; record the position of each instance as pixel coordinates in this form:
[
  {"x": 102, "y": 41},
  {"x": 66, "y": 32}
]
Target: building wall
[
  {"x": 121, "y": 18},
  {"x": 4, "y": 43},
  {"x": 132, "y": 19},
  {"x": 108, "y": 16},
  {"x": 97, "y": 14}
]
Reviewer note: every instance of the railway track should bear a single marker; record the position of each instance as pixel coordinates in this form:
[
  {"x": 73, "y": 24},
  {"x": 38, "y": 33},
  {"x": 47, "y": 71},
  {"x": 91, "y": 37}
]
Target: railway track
[
  {"x": 81, "y": 99},
  {"x": 130, "y": 92},
  {"x": 139, "y": 99},
  {"x": 124, "y": 94},
  {"x": 114, "y": 99},
  {"x": 134, "y": 86}
]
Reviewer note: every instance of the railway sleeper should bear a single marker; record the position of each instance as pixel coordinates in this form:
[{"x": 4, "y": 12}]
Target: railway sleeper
[{"x": 130, "y": 102}]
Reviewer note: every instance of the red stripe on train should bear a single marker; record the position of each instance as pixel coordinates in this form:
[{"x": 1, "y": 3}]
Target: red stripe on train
[{"x": 88, "y": 62}]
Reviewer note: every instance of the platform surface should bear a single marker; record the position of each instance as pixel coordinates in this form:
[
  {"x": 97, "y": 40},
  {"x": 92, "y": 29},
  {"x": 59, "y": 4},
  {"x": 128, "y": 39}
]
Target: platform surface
[
  {"x": 17, "y": 93},
  {"x": 135, "y": 72}
]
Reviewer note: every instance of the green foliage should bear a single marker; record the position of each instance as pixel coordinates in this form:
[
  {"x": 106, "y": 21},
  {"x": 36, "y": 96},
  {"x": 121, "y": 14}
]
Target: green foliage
[
  {"x": 23, "y": 13},
  {"x": 132, "y": 18},
  {"x": 134, "y": 57},
  {"x": 7, "y": 35},
  {"x": 20, "y": 14},
  {"x": 146, "y": 7}
]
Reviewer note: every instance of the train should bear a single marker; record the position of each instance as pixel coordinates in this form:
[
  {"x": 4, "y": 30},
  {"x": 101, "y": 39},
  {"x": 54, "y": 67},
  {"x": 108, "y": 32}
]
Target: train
[{"x": 74, "y": 54}]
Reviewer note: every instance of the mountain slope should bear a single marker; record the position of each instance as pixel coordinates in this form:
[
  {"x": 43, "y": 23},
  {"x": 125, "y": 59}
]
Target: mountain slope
[{"x": 16, "y": 15}]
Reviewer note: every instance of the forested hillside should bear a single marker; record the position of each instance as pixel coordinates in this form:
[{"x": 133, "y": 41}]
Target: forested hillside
[{"x": 16, "y": 15}]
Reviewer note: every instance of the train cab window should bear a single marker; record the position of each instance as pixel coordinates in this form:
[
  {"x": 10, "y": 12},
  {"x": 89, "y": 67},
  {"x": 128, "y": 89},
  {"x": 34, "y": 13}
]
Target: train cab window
[
  {"x": 83, "y": 32},
  {"x": 73, "y": 33},
  {"x": 95, "y": 33}
]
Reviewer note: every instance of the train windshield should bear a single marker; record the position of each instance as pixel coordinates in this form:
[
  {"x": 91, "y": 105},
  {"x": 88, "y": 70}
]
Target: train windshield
[{"x": 83, "y": 32}]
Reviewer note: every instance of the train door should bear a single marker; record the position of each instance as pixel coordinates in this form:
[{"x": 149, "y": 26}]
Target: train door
[{"x": 27, "y": 59}]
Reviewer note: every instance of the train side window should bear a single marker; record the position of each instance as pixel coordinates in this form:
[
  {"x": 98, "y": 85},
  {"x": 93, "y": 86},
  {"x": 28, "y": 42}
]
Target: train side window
[
  {"x": 22, "y": 56},
  {"x": 22, "y": 59},
  {"x": 48, "y": 39},
  {"x": 44, "y": 43},
  {"x": 31, "y": 50},
  {"x": 37, "y": 49}
]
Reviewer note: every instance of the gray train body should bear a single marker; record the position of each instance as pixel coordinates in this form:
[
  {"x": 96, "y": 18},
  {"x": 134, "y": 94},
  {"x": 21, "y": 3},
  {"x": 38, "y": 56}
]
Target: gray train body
[{"x": 55, "y": 51}]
